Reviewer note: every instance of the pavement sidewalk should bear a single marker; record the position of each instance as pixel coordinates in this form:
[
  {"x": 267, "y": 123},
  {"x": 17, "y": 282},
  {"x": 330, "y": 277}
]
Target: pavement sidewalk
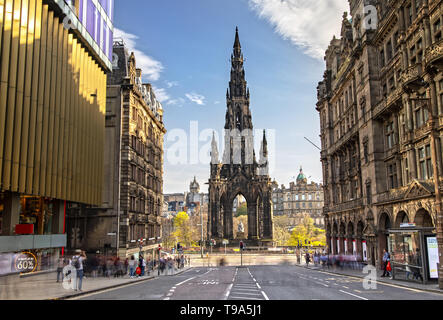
[
  {"x": 45, "y": 287},
  {"x": 357, "y": 273}
]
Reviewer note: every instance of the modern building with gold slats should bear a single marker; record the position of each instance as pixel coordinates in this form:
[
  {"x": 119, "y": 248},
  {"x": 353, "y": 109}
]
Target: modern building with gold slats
[{"x": 54, "y": 57}]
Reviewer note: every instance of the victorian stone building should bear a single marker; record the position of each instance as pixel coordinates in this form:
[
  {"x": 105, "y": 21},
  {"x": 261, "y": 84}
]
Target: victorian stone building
[
  {"x": 240, "y": 173},
  {"x": 298, "y": 200},
  {"x": 382, "y": 86},
  {"x": 192, "y": 202},
  {"x": 130, "y": 215}
]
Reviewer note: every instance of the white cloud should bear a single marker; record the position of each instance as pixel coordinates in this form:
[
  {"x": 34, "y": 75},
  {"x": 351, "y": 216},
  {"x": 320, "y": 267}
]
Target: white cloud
[
  {"x": 306, "y": 23},
  {"x": 171, "y": 84},
  {"x": 176, "y": 102},
  {"x": 161, "y": 94},
  {"x": 197, "y": 98},
  {"x": 151, "y": 68}
]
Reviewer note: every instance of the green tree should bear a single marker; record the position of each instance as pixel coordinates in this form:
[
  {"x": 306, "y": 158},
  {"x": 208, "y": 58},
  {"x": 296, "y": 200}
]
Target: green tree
[
  {"x": 242, "y": 210},
  {"x": 183, "y": 230},
  {"x": 281, "y": 233},
  {"x": 308, "y": 232}
]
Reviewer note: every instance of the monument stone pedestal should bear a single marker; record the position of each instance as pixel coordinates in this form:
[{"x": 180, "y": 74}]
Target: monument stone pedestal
[{"x": 241, "y": 236}]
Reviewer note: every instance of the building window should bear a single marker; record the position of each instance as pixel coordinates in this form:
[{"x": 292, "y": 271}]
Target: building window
[
  {"x": 389, "y": 50},
  {"x": 407, "y": 177},
  {"x": 366, "y": 152},
  {"x": 392, "y": 176},
  {"x": 421, "y": 113},
  {"x": 132, "y": 204},
  {"x": 426, "y": 169},
  {"x": 437, "y": 30},
  {"x": 368, "y": 193},
  {"x": 382, "y": 58},
  {"x": 440, "y": 111},
  {"x": 390, "y": 135},
  {"x": 409, "y": 15}
]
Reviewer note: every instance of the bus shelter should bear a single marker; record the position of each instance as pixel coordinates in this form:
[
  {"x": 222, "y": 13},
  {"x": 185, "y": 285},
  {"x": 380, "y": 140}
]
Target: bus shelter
[{"x": 414, "y": 253}]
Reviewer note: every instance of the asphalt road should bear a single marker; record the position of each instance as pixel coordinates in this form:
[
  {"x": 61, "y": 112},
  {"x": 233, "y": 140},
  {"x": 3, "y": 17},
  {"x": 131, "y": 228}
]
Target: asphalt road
[{"x": 254, "y": 283}]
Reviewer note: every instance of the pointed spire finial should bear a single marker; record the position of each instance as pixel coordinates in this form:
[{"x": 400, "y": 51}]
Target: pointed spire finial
[{"x": 237, "y": 39}]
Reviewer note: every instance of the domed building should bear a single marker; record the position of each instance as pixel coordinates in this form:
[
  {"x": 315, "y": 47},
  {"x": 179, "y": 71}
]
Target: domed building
[{"x": 300, "y": 199}]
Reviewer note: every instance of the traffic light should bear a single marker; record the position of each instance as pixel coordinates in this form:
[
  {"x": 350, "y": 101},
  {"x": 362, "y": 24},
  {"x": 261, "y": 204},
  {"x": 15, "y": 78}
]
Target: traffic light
[{"x": 242, "y": 245}]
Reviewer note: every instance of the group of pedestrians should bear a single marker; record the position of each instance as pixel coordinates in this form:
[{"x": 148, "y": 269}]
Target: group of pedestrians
[
  {"x": 77, "y": 263},
  {"x": 342, "y": 261},
  {"x": 168, "y": 264}
]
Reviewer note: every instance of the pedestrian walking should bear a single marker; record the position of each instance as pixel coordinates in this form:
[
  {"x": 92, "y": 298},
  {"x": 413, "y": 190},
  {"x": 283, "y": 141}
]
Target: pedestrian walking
[
  {"x": 95, "y": 263},
  {"x": 143, "y": 267},
  {"x": 77, "y": 263},
  {"x": 308, "y": 258},
  {"x": 132, "y": 265},
  {"x": 417, "y": 262},
  {"x": 61, "y": 263},
  {"x": 126, "y": 266},
  {"x": 386, "y": 262}
]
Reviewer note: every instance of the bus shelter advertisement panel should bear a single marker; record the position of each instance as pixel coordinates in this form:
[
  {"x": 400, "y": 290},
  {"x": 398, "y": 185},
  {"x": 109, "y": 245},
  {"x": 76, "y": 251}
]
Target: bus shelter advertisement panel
[{"x": 432, "y": 245}]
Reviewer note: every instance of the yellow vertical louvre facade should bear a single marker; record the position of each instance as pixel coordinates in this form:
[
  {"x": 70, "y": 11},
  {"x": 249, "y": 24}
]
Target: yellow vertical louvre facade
[{"x": 52, "y": 107}]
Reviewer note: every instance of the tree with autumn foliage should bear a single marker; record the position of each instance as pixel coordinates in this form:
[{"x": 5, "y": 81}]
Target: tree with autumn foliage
[
  {"x": 307, "y": 232},
  {"x": 183, "y": 231}
]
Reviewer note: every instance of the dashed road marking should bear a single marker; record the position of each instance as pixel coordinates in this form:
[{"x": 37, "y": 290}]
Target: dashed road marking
[{"x": 354, "y": 295}]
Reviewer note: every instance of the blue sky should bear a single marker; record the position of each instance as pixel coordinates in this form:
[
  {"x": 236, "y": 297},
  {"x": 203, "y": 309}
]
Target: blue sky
[{"x": 184, "y": 49}]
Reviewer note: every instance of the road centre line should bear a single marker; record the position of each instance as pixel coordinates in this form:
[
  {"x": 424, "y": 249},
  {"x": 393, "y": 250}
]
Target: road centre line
[
  {"x": 228, "y": 291},
  {"x": 264, "y": 295},
  {"x": 252, "y": 289},
  {"x": 247, "y": 294},
  {"x": 179, "y": 284},
  {"x": 354, "y": 295},
  {"x": 243, "y": 298}
]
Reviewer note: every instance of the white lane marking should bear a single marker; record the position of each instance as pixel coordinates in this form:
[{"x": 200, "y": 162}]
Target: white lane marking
[
  {"x": 245, "y": 293},
  {"x": 258, "y": 286},
  {"x": 240, "y": 289},
  {"x": 252, "y": 285},
  {"x": 322, "y": 284},
  {"x": 244, "y": 298},
  {"x": 179, "y": 284},
  {"x": 169, "y": 294},
  {"x": 228, "y": 291},
  {"x": 345, "y": 287},
  {"x": 264, "y": 295},
  {"x": 353, "y": 295},
  {"x": 377, "y": 282},
  {"x": 167, "y": 299}
]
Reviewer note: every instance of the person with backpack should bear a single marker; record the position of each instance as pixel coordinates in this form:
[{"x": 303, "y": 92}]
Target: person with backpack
[{"x": 77, "y": 263}]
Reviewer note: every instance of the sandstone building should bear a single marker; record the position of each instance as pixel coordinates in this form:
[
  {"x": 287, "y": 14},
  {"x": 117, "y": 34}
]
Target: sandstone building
[
  {"x": 133, "y": 166},
  {"x": 298, "y": 200},
  {"x": 383, "y": 83}
]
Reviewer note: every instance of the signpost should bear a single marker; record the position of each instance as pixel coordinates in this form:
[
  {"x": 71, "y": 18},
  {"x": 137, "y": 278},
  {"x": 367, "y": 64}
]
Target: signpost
[
  {"x": 242, "y": 245},
  {"x": 159, "y": 254},
  {"x": 225, "y": 242}
]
